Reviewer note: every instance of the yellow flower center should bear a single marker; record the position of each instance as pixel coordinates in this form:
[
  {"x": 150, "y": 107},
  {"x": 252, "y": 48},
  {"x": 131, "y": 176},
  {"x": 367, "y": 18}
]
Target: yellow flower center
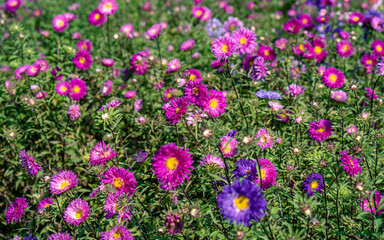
[
  {"x": 369, "y": 62},
  {"x": 78, "y": 214},
  {"x": 301, "y": 47},
  {"x": 379, "y": 48},
  {"x": 76, "y": 89},
  {"x": 250, "y": 63},
  {"x": 243, "y": 40},
  {"x": 224, "y": 48},
  {"x": 266, "y": 53},
  {"x": 169, "y": 95},
  {"x": 241, "y": 202},
  {"x": 64, "y": 184},
  {"x": 118, "y": 182},
  {"x": 198, "y": 13},
  {"x": 213, "y": 103},
  {"x": 320, "y": 130},
  {"x": 304, "y": 21},
  {"x": 14, "y": 3},
  {"x": 82, "y": 60},
  {"x": 355, "y": 19},
  {"x": 318, "y": 50},
  {"x": 47, "y": 205},
  {"x": 117, "y": 234},
  {"x": 171, "y": 163},
  {"x": 177, "y": 110},
  {"x": 314, "y": 185},
  {"x": 263, "y": 174},
  {"x": 108, "y": 6},
  {"x": 192, "y": 77},
  {"x": 97, "y": 16},
  {"x": 60, "y": 23},
  {"x": 227, "y": 149},
  {"x": 345, "y": 47},
  {"x": 195, "y": 91},
  {"x": 333, "y": 77},
  {"x": 63, "y": 88}
]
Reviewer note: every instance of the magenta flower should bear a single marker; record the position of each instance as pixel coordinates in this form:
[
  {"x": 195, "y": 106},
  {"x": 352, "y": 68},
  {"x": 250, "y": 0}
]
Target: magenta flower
[
  {"x": 267, "y": 174},
  {"x": 171, "y": 165},
  {"x": 333, "y": 78},
  {"x": 321, "y": 130},
  {"x": 281, "y": 43},
  {"x": 294, "y": 90},
  {"x": 228, "y": 146},
  {"x": 127, "y": 29},
  {"x": 62, "y": 88},
  {"x": 139, "y": 63},
  {"x": 373, "y": 203},
  {"x": 266, "y": 52},
  {"x": 107, "y": 88},
  {"x": 351, "y": 130},
  {"x": 196, "y": 92},
  {"x": 223, "y": 47},
  {"x": 83, "y": 60},
  {"x": 339, "y": 96},
  {"x": 174, "y": 110},
  {"x": 130, "y": 94},
  {"x": 108, "y": 62},
  {"x": 378, "y": 48},
  {"x": 211, "y": 160},
  {"x": 368, "y": 61},
  {"x": 344, "y": 48},
  {"x": 355, "y": 18},
  {"x": 16, "y": 209},
  {"x": 29, "y": 163},
  {"x": 154, "y": 31},
  {"x": 96, "y": 18},
  {"x": 245, "y": 40},
  {"x": 173, "y": 65},
  {"x": 138, "y": 105},
  {"x": 45, "y": 203},
  {"x": 121, "y": 179},
  {"x": 292, "y": 26},
  {"x": 59, "y": 23},
  {"x": 62, "y": 182},
  {"x": 192, "y": 74},
  {"x": 169, "y": 94},
  {"x": 112, "y": 206},
  {"x": 263, "y": 138},
  {"x": 84, "y": 45},
  {"x": 187, "y": 45},
  {"x": 107, "y": 7},
  {"x": 33, "y": 70},
  {"x": 101, "y": 154},
  {"x": 318, "y": 51},
  {"x": 76, "y": 212},
  {"x": 350, "y": 165},
  {"x": 198, "y": 12},
  {"x": 215, "y": 103},
  {"x": 60, "y": 236},
  {"x": 43, "y": 64},
  {"x": 305, "y": 20},
  {"x": 78, "y": 89},
  {"x": 370, "y": 94},
  {"x": 117, "y": 233},
  {"x": 74, "y": 112},
  {"x": 12, "y": 5}
]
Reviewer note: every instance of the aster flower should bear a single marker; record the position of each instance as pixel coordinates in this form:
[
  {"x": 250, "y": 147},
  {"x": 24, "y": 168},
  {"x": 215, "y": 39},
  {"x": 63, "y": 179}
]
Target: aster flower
[
  {"x": 107, "y": 7},
  {"x": 223, "y": 47},
  {"x": 294, "y": 90},
  {"x": 214, "y": 28},
  {"x": 292, "y": 26},
  {"x": 194, "y": 118},
  {"x": 84, "y": 45},
  {"x": 232, "y": 24},
  {"x": 140, "y": 157},
  {"x": 12, "y": 5},
  {"x": 242, "y": 202},
  {"x": 333, "y": 78},
  {"x": 107, "y": 88},
  {"x": 175, "y": 109},
  {"x": 154, "y": 31},
  {"x": 83, "y": 60},
  {"x": 211, "y": 160},
  {"x": 370, "y": 94},
  {"x": 196, "y": 92},
  {"x": 45, "y": 203},
  {"x": 259, "y": 69},
  {"x": 62, "y": 182},
  {"x": 30, "y": 237},
  {"x": 192, "y": 75},
  {"x": 305, "y": 20},
  {"x": 112, "y": 104},
  {"x": 16, "y": 209},
  {"x": 121, "y": 179},
  {"x": 368, "y": 61},
  {"x": 62, "y": 88},
  {"x": 355, "y": 18},
  {"x": 246, "y": 168},
  {"x": 43, "y": 64},
  {"x": 263, "y": 138},
  {"x": 377, "y": 47},
  {"x": 198, "y": 12},
  {"x": 33, "y": 70},
  {"x": 139, "y": 63},
  {"x": 101, "y": 154},
  {"x": 174, "y": 223},
  {"x": 127, "y": 29},
  {"x": 187, "y": 45},
  {"x": 117, "y": 233},
  {"x": 40, "y": 95},
  {"x": 60, "y": 236},
  {"x": 245, "y": 40},
  {"x": 313, "y": 183},
  {"x": 339, "y": 96},
  {"x": 344, "y": 48},
  {"x": 76, "y": 212},
  {"x": 373, "y": 204},
  {"x": 59, "y": 23},
  {"x": 96, "y": 18},
  {"x": 29, "y": 163},
  {"x": 281, "y": 43},
  {"x": 228, "y": 146},
  {"x": 171, "y": 165},
  {"x": 267, "y": 174},
  {"x": 74, "y": 112},
  {"x": 268, "y": 94},
  {"x": 169, "y": 94},
  {"x": 114, "y": 204},
  {"x": 380, "y": 67},
  {"x": 173, "y": 65},
  {"x": 138, "y": 105},
  {"x": 321, "y": 130},
  {"x": 78, "y": 89},
  {"x": 350, "y": 165},
  {"x": 351, "y": 130},
  {"x": 266, "y": 52},
  {"x": 130, "y": 94},
  {"x": 276, "y": 107},
  {"x": 215, "y": 103},
  {"x": 318, "y": 51}
]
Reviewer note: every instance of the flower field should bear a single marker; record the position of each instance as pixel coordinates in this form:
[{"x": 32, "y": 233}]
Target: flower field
[{"x": 191, "y": 119}]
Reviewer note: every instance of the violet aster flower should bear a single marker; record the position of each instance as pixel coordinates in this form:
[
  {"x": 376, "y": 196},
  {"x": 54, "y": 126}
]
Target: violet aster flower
[
  {"x": 78, "y": 89},
  {"x": 268, "y": 94},
  {"x": 321, "y": 130},
  {"x": 83, "y": 60},
  {"x": 263, "y": 138},
  {"x": 174, "y": 223},
  {"x": 76, "y": 212},
  {"x": 107, "y": 7},
  {"x": 292, "y": 26},
  {"x": 101, "y": 154},
  {"x": 29, "y": 163},
  {"x": 196, "y": 92},
  {"x": 223, "y": 47},
  {"x": 60, "y": 236},
  {"x": 16, "y": 209},
  {"x": 281, "y": 43},
  {"x": 245, "y": 40},
  {"x": 228, "y": 146},
  {"x": 368, "y": 61},
  {"x": 139, "y": 63},
  {"x": 351, "y": 130},
  {"x": 333, "y": 78},
  {"x": 121, "y": 179},
  {"x": 232, "y": 24},
  {"x": 173, "y": 65},
  {"x": 266, "y": 52},
  {"x": 259, "y": 69},
  {"x": 96, "y": 18},
  {"x": 138, "y": 105},
  {"x": 377, "y": 47},
  {"x": 294, "y": 90},
  {"x": 114, "y": 204},
  {"x": 171, "y": 165},
  {"x": 43, "y": 64},
  {"x": 111, "y": 104},
  {"x": 187, "y": 45},
  {"x": 154, "y": 31},
  {"x": 45, "y": 203},
  {"x": 313, "y": 183},
  {"x": 339, "y": 96},
  {"x": 380, "y": 67},
  {"x": 211, "y": 160},
  {"x": 242, "y": 202},
  {"x": 62, "y": 182},
  {"x": 84, "y": 45},
  {"x": 59, "y": 23},
  {"x": 140, "y": 157},
  {"x": 214, "y": 28},
  {"x": 267, "y": 174},
  {"x": 107, "y": 87},
  {"x": 175, "y": 109},
  {"x": 192, "y": 75},
  {"x": 276, "y": 107},
  {"x": 74, "y": 112},
  {"x": 169, "y": 94},
  {"x": 350, "y": 165},
  {"x": 344, "y": 48},
  {"x": 12, "y": 5},
  {"x": 246, "y": 168},
  {"x": 372, "y": 204},
  {"x": 33, "y": 70},
  {"x": 117, "y": 233},
  {"x": 30, "y": 237}
]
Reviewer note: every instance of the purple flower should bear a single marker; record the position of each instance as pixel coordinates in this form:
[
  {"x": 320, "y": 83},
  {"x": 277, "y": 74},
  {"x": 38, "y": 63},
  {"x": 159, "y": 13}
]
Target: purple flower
[
  {"x": 313, "y": 183},
  {"x": 294, "y": 90},
  {"x": 83, "y": 60},
  {"x": 187, "y": 45},
  {"x": 321, "y": 130},
  {"x": 16, "y": 209},
  {"x": 259, "y": 69},
  {"x": 154, "y": 31},
  {"x": 74, "y": 112},
  {"x": 29, "y": 163},
  {"x": 140, "y": 157},
  {"x": 246, "y": 168},
  {"x": 339, "y": 96},
  {"x": 245, "y": 40},
  {"x": 350, "y": 165},
  {"x": 268, "y": 94},
  {"x": 223, "y": 47}
]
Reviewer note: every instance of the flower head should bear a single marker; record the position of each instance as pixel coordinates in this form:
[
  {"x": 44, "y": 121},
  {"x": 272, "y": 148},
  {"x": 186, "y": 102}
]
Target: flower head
[
  {"x": 117, "y": 233},
  {"x": 267, "y": 174},
  {"x": 154, "y": 31},
  {"x": 101, "y": 154},
  {"x": 114, "y": 204},
  {"x": 173, "y": 65},
  {"x": 196, "y": 92},
  {"x": 12, "y": 5},
  {"x": 294, "y": 90},
  {"x": 228, "y": 146},
  {"x": 245, "y": 40},
  {"x": 45, "y": 203},
  {"x": 74, "y": 112},
  {"x": 76, "y": 212},
  {"x": 339, "y": 96},
  {"x": 107, "y": 87},
  {"x": 259, "y": 69},
  {"x": 59, "y": 23},
  {"x": 187, "y": 45},
  {"x": 242, "y": 202},
  {"x": 246, "y": 168},
  {"x": 16, "y": 209},
  {"x": 350, "y": 165},
  {"x": 333, "y": 78},
  {"x": 266, "y": 52},
  {"x": 373, "y": 204},
  {"x": 62, "y": 182},
  {"x": 78, "y": 89},
  {"x": 263, "y": 138},
  {"x": 378, "y": 48},
  {"x": 140, "y": 157},
  {"x": 29, "y": 163},
  {"x": 313, "y": 183},
  {"x": 211, "y": 160},
  {"x": 96, "y": 18},
  {"x": 121, "y": 179},
  {"x": 62, "y": 88},
  {"x": 107, "y": 7},
  {"x": 321, "y": 130},
  {"x": 292, "y": 26},
  {"x": 344, "y": 48},
  {"x": 83, "y": 60},
  {"x": 215, "y": 103},
  {"x": 223, "y": 47},
  {"x": 268, "y": 94},
  {"x": 175, "y": 109}
]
